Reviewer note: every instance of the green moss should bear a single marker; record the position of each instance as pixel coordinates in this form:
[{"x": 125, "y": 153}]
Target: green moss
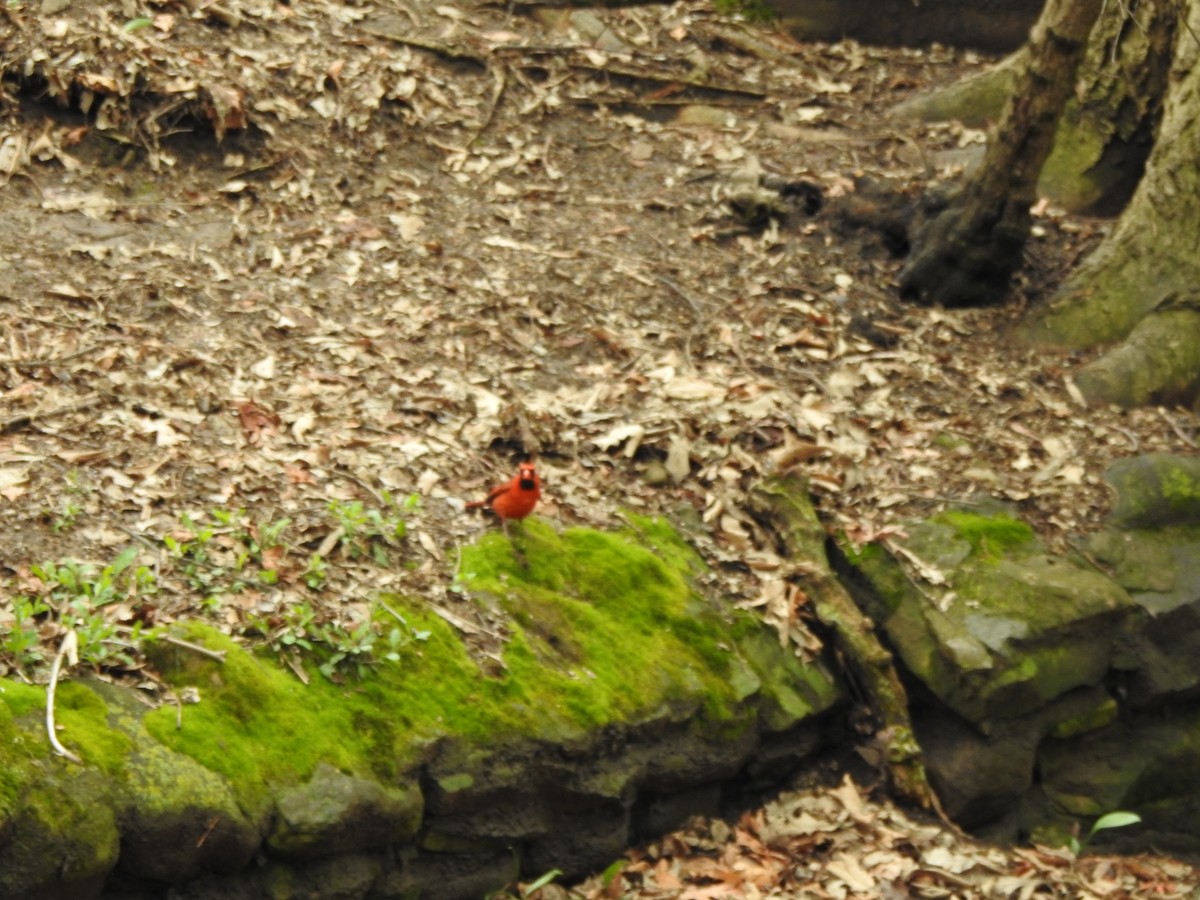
[
  {"x": 1010, "y": 630},
  {"x": 50, "y": 808},
  {"x": 84, "y": 728},
  {"x": 989, "y": 536},
  {"x": 17, "y": 747},
  {"x": 1179, "y": 487},
  {"x": 792, "y": 691},
  {"x": 605, "y": 629},
  {"x": 1103, "y": 713},
  {"x": 665, "y": 541},
  {"x": 72, "y": 823},
  {"x": 887, "y": 579},
  {"x": 858, "y": 554},
  {"x": 1070, "y": 176},
  {"x": 22, "y": 699},
  {"x": 84, "y": 719},
  {"x": 258, "y": 725},
  {"x": 630, "y": 636}
]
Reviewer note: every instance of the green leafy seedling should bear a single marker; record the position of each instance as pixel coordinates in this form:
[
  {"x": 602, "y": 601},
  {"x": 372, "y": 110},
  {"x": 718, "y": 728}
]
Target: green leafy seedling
[
  {"x": 22, "y": 643},
  {"x": 538, "y": 883},
  {"x": 271, "y": 534},
  {"x": 1118, "y": 819},
  {"x": 369, "y": 532},
  {"x": 316, "y": 573},
  {"x": 613, "y": 871}
]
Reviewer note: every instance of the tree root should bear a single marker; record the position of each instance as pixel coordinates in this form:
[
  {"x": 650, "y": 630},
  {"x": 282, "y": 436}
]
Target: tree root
[
  {"x": 1157, "y": 363},
  {"x": 783, "y": 503}
]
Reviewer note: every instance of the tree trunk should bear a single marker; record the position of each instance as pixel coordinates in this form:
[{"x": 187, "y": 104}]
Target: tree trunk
[
  {"x": 1154, "y": 251},
  {"x": 1107, "y": 128},
  {"x": 969, "y": 252},
  {"x": 1159, "y": 362}
]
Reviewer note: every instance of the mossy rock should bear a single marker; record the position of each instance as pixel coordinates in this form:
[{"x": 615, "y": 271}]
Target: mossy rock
[
  {"x": 1155, "y": 489},
  {"x": 992, "y": 625},
  {"x": 607, "y": 631},
  {"x": 1148, "y": 763},
  {"x": 334, "y": 814},
  {"x": 1160, "y": 568},
  {"x": 617, "y": 677}
]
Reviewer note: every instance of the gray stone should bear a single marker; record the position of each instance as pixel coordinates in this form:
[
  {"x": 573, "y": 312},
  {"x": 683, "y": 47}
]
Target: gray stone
[{"x": 334, "y": 813}]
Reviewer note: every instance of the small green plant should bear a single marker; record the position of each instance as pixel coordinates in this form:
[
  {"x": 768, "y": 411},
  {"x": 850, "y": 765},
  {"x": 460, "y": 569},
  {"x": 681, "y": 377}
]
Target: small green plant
[
  {"x": 1118, "y": 819},
  {"x": 70, "y": 580},
  {"x": 371, "y": 532},
  {"x": 538, "y": 883},
  {"x": 613, "y": 871},
  {"x": 526, "y": 891},
  {"x": 303, "y": 629},
  {"x": 79, "y": 594},
  {"x": 191, "y": 553},
  {"x": 271, "y": 534},
  {"x": 349, "y": 650},
  {"x": 222, "y": 554},
  {"x": 316, "y": 573},
  {"x": 21, "y": 646},
  {"x": 370, "y": 643},
  {"x": 65, "y": 518},
  {"x": 101, "y": 644}
]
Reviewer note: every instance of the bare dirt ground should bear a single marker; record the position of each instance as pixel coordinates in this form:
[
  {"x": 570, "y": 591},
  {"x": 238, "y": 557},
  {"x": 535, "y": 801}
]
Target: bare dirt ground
[{"x": 276, "y": 278}]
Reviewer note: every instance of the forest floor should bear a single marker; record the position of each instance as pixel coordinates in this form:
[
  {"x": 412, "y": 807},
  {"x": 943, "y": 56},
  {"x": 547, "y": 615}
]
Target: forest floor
[{"x": 285, "y": 286}]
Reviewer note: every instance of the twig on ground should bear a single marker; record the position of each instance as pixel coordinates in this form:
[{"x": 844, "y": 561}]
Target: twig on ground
[
  {"x": 70, "y": 649},
  {"x": 343, "y": 472},
  {"x": 36, "y": 363},
  {"x": 460, "y": 623},
  {"x": 218, "y": 655},
  {"x": 26, "y": 419},
  {"x": 1179, "y": 432},
  {"x": 297, "y": 668}
]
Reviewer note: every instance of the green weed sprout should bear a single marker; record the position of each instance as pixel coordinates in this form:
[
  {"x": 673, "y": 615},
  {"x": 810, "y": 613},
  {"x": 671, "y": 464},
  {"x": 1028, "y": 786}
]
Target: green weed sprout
[{"x": 1118, "y": 819}]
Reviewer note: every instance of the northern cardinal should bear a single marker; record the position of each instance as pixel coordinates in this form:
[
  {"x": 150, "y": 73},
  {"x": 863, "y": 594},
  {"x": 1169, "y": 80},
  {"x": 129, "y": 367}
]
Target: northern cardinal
[{"x": 514, "y": 499}]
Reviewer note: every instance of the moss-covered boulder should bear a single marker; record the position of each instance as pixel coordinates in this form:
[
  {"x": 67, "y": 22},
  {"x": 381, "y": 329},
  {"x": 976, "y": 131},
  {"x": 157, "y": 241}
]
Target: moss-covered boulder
[
  {"x": 1051, "y": 689},
  {"x": 994, "y": 627},
  {"x": 1007, "y": 644},
  {"x": 1146, "y": 763},
  {"x": 334, "y": 813},
  {"x": 1155, "y": 489},
  {"x": 617, "y": 691}
]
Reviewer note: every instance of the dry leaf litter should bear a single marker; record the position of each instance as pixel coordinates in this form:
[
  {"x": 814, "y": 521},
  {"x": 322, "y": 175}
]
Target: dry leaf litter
[{"x": 264, "y": 257}]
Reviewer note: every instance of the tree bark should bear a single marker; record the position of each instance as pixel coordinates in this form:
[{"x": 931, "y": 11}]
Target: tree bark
[
  {"x": 1107, "y": 128},
  {"x": 1158, "y": 363},
  {"x": 1154, "y": 251},
  {"x": 969, "y": 252},
  {"x": 783, "y": 502}
]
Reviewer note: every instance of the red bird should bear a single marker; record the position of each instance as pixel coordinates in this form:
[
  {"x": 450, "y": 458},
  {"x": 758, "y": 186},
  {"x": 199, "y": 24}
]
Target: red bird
[{"x": 514, "y": 499}]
